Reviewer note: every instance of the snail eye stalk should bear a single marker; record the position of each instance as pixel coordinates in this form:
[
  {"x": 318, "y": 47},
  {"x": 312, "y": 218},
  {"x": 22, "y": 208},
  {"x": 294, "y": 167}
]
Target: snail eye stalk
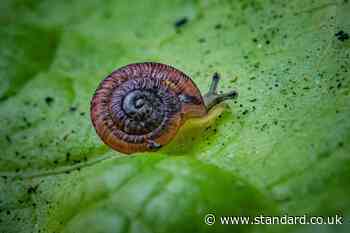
[{"x": 212, "y": 98}]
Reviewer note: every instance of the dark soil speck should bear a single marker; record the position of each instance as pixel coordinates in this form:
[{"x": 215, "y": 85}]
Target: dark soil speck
[
  {"x": 181, "y": 22},
  {"x": 342, "y": 36},
  {"x": 49, "y": 100}
]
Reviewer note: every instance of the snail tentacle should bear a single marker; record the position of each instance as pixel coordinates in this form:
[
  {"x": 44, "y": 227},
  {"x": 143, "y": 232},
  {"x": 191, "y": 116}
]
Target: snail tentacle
[
  {"x": 214, "y": 84},
  {"x": 212, "y": 98}
]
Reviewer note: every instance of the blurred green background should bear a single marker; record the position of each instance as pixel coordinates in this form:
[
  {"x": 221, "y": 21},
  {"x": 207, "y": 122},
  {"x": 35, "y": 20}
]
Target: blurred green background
[{"x": 283, "y": 147}]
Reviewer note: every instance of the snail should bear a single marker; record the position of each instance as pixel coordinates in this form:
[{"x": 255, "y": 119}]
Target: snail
[{"x": 140, "y": 107}]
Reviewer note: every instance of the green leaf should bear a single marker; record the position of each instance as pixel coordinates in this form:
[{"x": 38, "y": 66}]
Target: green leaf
[{"x": 282, "y": 148}]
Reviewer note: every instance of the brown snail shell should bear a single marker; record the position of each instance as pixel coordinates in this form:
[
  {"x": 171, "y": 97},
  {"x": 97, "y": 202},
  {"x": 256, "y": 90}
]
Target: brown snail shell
[{"x": 140, "y": 107}]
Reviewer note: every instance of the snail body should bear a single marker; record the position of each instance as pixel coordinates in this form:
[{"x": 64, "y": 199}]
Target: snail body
[{"x": 141, "y": 107}]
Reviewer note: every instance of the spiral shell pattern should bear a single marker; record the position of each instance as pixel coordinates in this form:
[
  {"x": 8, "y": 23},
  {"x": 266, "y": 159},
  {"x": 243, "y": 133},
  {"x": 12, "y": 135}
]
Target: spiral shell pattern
[{"x": 140, "y": 107}]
